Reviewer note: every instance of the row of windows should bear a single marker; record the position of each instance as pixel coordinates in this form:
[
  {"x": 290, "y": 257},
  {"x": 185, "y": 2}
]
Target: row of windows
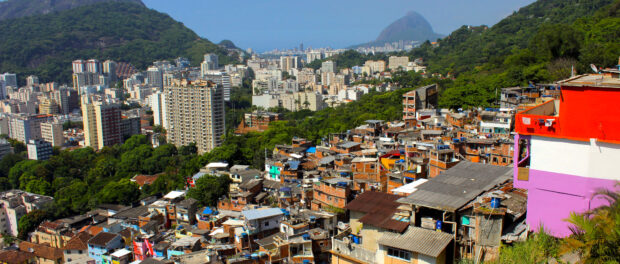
[{"x": 397, "y": 253}]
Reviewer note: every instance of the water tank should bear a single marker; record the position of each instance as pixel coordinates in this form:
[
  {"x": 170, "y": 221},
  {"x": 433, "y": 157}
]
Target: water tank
[
  {"x": 438, "y": 227},
  {"x": 495, "y": 202}
]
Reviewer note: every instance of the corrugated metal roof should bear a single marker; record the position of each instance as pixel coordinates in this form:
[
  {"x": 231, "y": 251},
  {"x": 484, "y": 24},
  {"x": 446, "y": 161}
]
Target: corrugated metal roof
[
  {"x": 261, "y": 213},
  {"x": 419, "y": 240},
  {"x": 458, "y": 185},
  {"x": 379, "y": 208},
  {"x": 348, "y": 145}
]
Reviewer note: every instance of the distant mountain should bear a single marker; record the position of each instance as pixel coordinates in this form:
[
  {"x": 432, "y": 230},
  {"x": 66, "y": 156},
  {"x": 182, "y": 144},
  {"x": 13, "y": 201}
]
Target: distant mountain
[
  {"x": 120, "y": 31},
  {"x": 22, "y": 8},
  {"x": 412, "y": 26}
]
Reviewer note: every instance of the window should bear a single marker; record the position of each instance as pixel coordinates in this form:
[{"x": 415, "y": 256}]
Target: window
[
  {"x": 266, "y": 223},
  {"x": 397, "y": 253},
  {"x": 79, "y": 251}
]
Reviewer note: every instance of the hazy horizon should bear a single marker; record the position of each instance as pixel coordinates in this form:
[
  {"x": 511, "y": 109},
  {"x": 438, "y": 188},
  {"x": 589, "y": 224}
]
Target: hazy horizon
[{"x": 266, "y": 25}]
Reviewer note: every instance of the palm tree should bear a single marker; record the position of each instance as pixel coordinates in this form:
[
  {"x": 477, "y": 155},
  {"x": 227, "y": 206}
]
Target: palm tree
[{"x": 596, "y": 233}]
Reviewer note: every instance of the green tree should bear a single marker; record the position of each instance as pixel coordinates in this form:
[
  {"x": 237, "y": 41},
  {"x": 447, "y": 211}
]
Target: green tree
[
  {"x": 209, "y": 189},
  {"x": 596, "y": 232},
  {"x": 121, "y": 192},
  {"x": 29, "y": 222}
]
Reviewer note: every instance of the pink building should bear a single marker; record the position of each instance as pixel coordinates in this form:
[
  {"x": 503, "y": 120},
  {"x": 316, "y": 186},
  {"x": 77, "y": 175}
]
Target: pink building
[{"x": 567, "y": 149}]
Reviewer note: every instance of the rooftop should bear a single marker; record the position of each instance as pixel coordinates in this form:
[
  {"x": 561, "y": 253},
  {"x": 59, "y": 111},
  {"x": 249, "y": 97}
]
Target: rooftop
[
  {"x": 262, "y": 213},
  {"x": 458, "y": 185},
  {"x": 102, "y": 239},
  {"x": 379, "y": 208},
  {"x": 419, "y": 240}
]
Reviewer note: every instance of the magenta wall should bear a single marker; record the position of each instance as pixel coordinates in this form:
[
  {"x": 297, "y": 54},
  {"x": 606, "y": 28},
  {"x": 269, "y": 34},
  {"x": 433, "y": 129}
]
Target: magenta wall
[{"x": 553, "y": 196}]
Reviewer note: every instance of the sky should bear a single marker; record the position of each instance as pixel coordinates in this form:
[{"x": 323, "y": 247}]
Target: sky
[{"x": 268, "y": 24}]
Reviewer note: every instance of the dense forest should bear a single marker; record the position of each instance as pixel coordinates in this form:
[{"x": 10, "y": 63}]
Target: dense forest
[{"x": 126, "y": 32}]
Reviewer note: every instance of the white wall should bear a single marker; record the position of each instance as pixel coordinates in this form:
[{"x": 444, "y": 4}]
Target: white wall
[
  {"x": 424, "y": 259},
  {"x": 575, "y": 157}
]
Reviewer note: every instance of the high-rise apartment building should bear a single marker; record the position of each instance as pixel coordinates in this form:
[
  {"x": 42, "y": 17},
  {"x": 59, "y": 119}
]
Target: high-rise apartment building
[
  {"x": 222, "y": 79},
  {"x": 195, "y": 114},
  {"x": 109, "y": 69},
  {"x": 289, "y": 62},
  {"x": 32, "y": 80},
  {"x": 52, "y": 132},
  {"x": 375, "y": 66},
  {"x": 154, "y": 77},
  {"x": 210, "y": 63},
  {"x": 102, "y": 123},
  {"x": 39, "y": 149},
  {"x": 158, "y": 106},
  {"x": 396, "y": 62},
  {"x": 93, "y": 65},
  {"x": 26, "y": 127},
  {"x": 328, "y": 66},
  {"x": 79, "y": 66}
]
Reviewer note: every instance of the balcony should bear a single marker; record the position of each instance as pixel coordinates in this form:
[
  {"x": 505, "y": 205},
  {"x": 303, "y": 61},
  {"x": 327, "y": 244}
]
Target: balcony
[
  {"x": 540, "y": 120},
  {"x": 342, "y": 245}
]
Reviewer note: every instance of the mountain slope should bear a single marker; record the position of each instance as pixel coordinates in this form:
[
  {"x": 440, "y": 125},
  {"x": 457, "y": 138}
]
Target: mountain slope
[
  {"x": 469, "y": 47},
  {"x": 21, "y": 8},
  {"x": 128, "y": 32},
  {"x": 412, "y": 26}
]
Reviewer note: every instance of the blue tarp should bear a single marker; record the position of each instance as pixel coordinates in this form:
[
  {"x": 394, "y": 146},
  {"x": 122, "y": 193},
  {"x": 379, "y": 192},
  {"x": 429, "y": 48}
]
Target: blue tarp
[{"x": 311, "y": 150}]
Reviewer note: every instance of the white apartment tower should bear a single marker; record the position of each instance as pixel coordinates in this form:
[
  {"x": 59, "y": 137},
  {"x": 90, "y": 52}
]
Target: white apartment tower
[{"x": 195, "y": 113}]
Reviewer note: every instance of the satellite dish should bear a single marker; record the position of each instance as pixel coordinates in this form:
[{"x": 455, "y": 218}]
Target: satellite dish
[{"x": 594, "y": 68}]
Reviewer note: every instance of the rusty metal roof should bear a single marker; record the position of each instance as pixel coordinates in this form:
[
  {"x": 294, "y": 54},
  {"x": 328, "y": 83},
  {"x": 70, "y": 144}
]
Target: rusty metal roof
[
  {"x": 379, "y": 208},
  {"x": 419, "y": 240}
]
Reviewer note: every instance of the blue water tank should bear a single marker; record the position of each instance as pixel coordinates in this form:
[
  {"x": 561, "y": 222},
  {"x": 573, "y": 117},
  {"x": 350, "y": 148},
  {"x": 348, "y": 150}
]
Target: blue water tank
[
  {"x": 306, "y": 261},
  {"x": 438, "y": 225},
  {"x": 495, "y": 202}
]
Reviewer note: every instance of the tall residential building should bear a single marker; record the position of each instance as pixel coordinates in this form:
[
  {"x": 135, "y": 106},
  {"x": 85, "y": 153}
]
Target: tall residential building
[
  {"x": 39, "y": 149},
  {"x": 61, "y": 97},
  {"x": 32, "y": 80},
  {"x": 313, "y": 55},
  {"x": 102, "y": 123},
  {"x": 154, "y": 77},
  {"x": 210, "y": 63},
  {"x": 85, "y": 79},
  {"x": 158, "y": 106},
  {"x": 48, "y": 106},
  {"x": 567, "y": 149},
  {"x": 109, "y": 69},
  {"x": 7, "y": 80},
  {"x": 375, "y": 66},
  {"x": 396, "y": 62},
  {"x": 93, "y": 65},
  {"x": 26, "y": 127},
  {"x": 195, "y": 114},
  {"x": 222, "y": 79},
  {"x": 79, "y": 66},
  {"x": 52, "y": 132},
  {"x": 289, "y": 62},
  {"x": 328, "y": 66}
]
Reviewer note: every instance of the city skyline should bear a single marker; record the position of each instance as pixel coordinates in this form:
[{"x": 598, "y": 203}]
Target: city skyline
[{"x": 259, "y": 25}]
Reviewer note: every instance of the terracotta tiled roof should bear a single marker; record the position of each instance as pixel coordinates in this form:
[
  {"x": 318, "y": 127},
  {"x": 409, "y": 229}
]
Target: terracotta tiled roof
[
  {"x": 78, "y": 242},
  {"x": 142, "y": 179},
  {"x": 102, "y": 239},
  {"x": 41, "y": 251},
  {"x": 15, "y": 257},
  {"x": 95, "y": 230}
]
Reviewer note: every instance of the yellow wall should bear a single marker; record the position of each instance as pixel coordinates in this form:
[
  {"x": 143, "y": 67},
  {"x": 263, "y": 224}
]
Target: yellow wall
[{"x": 341, "y": 260}]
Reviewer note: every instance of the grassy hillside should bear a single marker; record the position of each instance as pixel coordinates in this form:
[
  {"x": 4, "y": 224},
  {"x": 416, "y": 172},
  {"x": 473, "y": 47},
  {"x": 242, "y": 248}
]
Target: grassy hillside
[{"x": 129, "y": 32}]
